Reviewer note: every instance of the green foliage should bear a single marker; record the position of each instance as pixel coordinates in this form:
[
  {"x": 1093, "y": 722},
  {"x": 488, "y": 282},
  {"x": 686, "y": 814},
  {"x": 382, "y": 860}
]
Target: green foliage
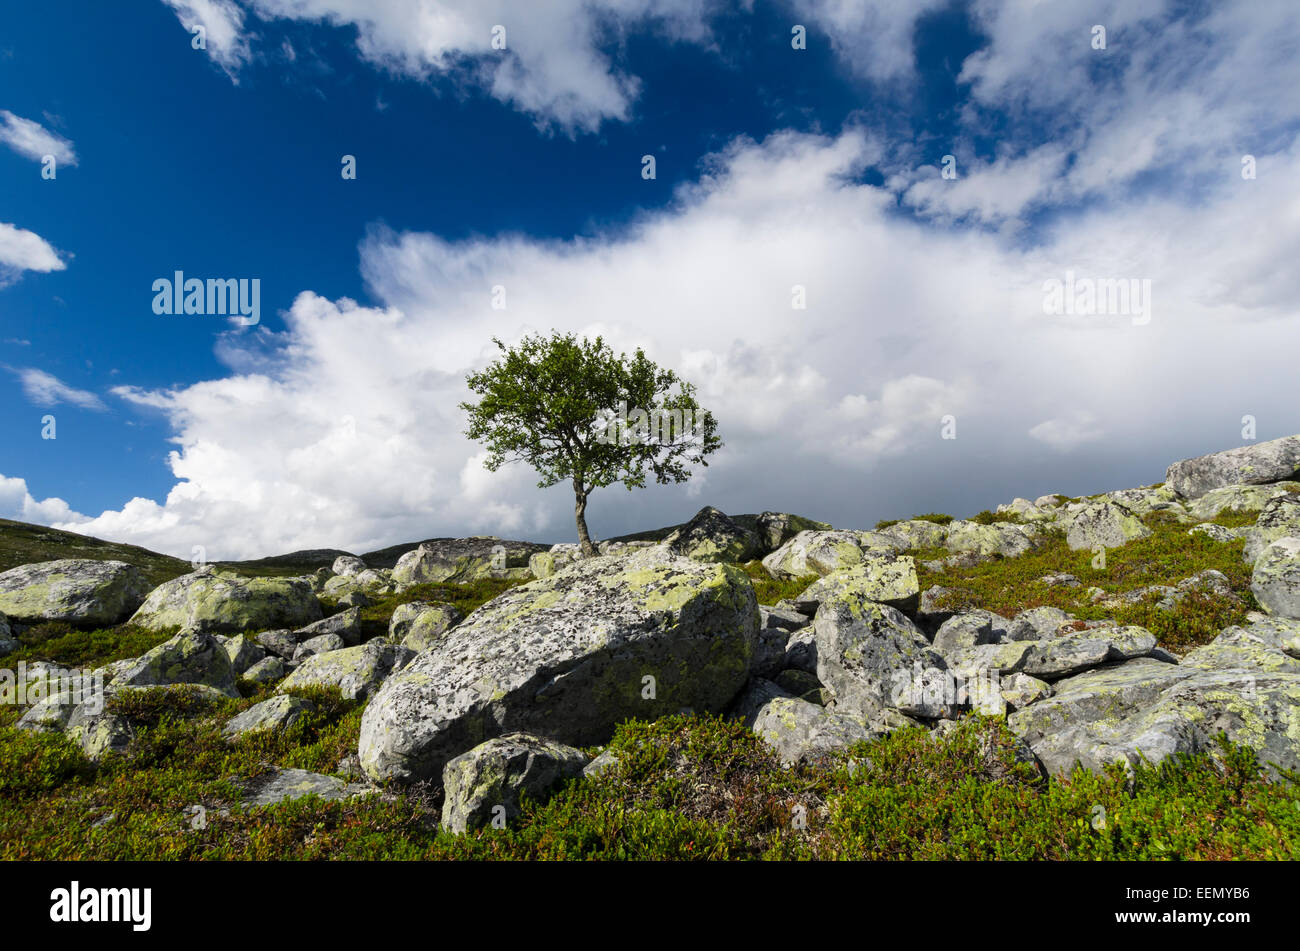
[
  {"x": 1166, "y": 557},
  {"x": 989, "y": 518},
  {"x": 61, "y": 643},
  {"x": 34, "y": 763},
  {"x": 24, "y": 544},
  {"x": 770, "y": 590}
]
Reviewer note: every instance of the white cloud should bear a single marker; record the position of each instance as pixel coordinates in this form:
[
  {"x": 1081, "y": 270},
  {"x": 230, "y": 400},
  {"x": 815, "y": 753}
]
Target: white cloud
[
  {"x": 32, "y": 140},
  {"x": 17, "y": 503},
  {"x": 45, "y": 389},
  {"x": 223, "y": 24},
  {"x": 22, "y": 250},
  {"x": 343, "y": 431},
  {"x": 873, "y": 37}
]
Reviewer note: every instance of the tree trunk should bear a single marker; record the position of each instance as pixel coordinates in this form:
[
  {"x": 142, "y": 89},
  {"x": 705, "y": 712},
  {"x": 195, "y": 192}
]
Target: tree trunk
[{"x": 580, "y": 515}]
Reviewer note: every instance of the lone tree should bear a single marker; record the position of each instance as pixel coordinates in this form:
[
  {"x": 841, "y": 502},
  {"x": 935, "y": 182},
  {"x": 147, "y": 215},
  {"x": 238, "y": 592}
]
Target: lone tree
[{"x": 562, "y": 405}]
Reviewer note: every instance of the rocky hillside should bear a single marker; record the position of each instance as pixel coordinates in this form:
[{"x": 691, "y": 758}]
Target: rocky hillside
[{"x": 756, "y": 685}]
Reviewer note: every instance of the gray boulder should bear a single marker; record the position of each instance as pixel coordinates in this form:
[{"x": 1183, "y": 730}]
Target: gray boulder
[
  {"x": 774, "y": 529},
  {"x": 1275, "y": 461},
  {"x": 1104, "y": 524},
  {"x": 346, "y": 624},
  {"x": 286, "y": 785},
  {"x": 885, "y": 579},
  {"x": 1275, "y": 579},
  {"x": 77, "y": 590},
  {"x": 266, "y": 670},
  {"x": 1280, "y": 518},
  {"x": 429, "y": 625},
  {"x": 348, "y": 566},
  {"x": 712, "y": 536},
  {"x": 220, "y": 601},
  {"x": 191, "y": 657},
  {"x": 358, "y": 672},
  {"x": 320, "y": 644},
  {"x": 460, "y": 560},
  {"x": 814, "y": 553},
  {"x": 798, "y": 731},
  {"x": 568, "y": 657},
  {"x": 278, "y": 713},
  {"x": 490, "y": 779}
]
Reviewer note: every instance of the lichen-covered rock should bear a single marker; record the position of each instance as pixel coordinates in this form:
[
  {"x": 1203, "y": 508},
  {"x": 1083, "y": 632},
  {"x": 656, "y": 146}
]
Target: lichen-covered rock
[
  {"x": 357, "y": 671},
  {"x": 348, "y": 565},
  {"x": 1144, "y": 709},
  {"x": 320, "y": 644},
  {"x": 804, "y": 685},
  {"x": 543, "y": 564},
  {"x": 461, "y": 560},
  {"x": 1242, "y": 648},
  {"x": 266, "y": 670},
  {"x": 243, "y": 652},
  {"x": 488, "y": 780},
  {"x": 885, "y": 579},
  {"x": 346, "y": 624},
  {"x": 917, "y": 533},
  {"x": 1220, "y": 533},
  {"x": 1238, "y": 498},
  {"x": 372, "y": 582},
  {"x": 1070, "y": 654},
  {"x": 50, "y": 714},
  {"x": 282, "y": 643},
  {"x": 1147, "y": 501},
  {"x": 985, "y": 659},
  {"x": 798, "y": 731},
  {"x": 774, "y": 529},
  {"x": 219, "y": 601},
  {"x": 1036, "y": 624},
  {"x": 814, "y": 553},
  {"x": 1275, "y": 579},
  {"x": 1020, "y": 690},
  {"x": 711, "y": 536},
  {"x": 285, "y": 785},
  {"x": 77, "y": 590},
  {"x": 419, "y": 624},
  {"x": 868, "y": 654},
  {"x": 1000, "y": 538},
  {"x": 277, "y": 713},
  {"x": 1280, "y": 518},
  {"x": 1275, "y": 461},
  {"x": 191, "y": 657},
  {"x": 963, "y": 630},
  {"x": 1104, "y": 524},
  {"x": 568, "y": 657}
]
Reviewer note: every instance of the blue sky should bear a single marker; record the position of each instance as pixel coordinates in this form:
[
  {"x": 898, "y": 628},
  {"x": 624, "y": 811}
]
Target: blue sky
[{"x": 332, "y": 421}]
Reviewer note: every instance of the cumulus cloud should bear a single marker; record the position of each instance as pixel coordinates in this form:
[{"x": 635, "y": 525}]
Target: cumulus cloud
[
  {"x": 17, "y": 503},
  {"x": 343, "y": 430},
  {"x": 32, "y": 140},
  {"x": 45, "y": 389},
  {"x": 22, "y": 250},
  {"x": 225, "y": 39}
]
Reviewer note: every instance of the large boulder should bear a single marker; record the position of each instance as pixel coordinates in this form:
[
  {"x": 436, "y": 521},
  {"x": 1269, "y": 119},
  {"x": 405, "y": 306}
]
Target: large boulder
[
  {"x": 278, "y": 714},
  {"x": 798, "y": 731},
  {"x": 1149, "y": 500},
  {"x": 917, "y": 533},
  {"x": 999, "y": 538},
  {"x": 356, "y": 671},
  {"x": 490, "y": 779},
  {"x": 224, "y": 602},
  {"x": 461, "y": 560},
  {"x": 345, "y": 624},
  {"x": 418, "y": 624},
  {"x": 278, "y": 785},
  {"x": 191, "y": 657},
  {"x": 1275, "y": 461},
  {"x": 77, "y": 590},
  {"x": 567, "y": 658},
  {"x": 814, "y": 553},
  {"x": 774, "y": 529},
  {"x": 1104, "y": 524},
  {"x": 885, "y": 579},
  {"x": 1238, "y": 498},
  {"x": 1280, "y": 518},
  {"x": 712, "y": 536},
  {"x": 875, "y": 660},
  {"x": 1275, "y": 579}
]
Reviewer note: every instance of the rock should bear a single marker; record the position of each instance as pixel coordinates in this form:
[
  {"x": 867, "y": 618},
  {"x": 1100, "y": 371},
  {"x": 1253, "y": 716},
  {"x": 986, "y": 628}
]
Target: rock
[
  {"x": 1122, "y": 714},
  {"x": 1027, "y": 510},
  {"x": 1073, "y": 653},
  {"x": 320, "y": 644},
  {"x": 543, "y": 564},
  {"x": 346, "y": 624},
  {"x": 1280, "y": 518},
  {"x": 870, "y": 655},
  {"x": 987, "y": 659},
  {"x": 1062, "y": 580},
  {"x": 1036, "y": 624},
  {"x": 801, "y": 651},
  {"x": 1238, "y": 498},
  {"x": 278, "y": 713},
  {"x": 606, "y": 760},
  {"x": 1049, "y": 501},
  {"x": 98, "y": 732},
  {"x": 1279, "y": 632},
  {"x": 431, "y": 625},
  {"x": 804, "y": 685},
  {"x": 77, "y": 590},
  {"x": 1020, "y": 690},
  {"x": 769, "y": 652},
  {"x": 982, "y": 541},
  {"x": 929, "y": 613},
  {"x": 243, "y": 652},
  {"x": 1240, "y": 648},
  {"x": 711, "y": 536},
  {"x": 348, "y": 566},
  {"x": 917, "y": 533},
  {"x": 217, "y": 601},
  {"x": 799, "y": 731},
  {"x": 814, "y": 553},
  {"x": 190, "y": 657},
  {"x": 1104, "y": 524},
  {"x": 374, "y": 582},
  {"x": 266, "y": 670},
  {"x": 354, "y": 599},
  {"x": 788, "y": 619},
  {"x": 774, "y": 529},
  {"x": 460, "y": 560},
  {"x": 1275, "y": 461},
  {"x": 281, "y": 643},
  {"x": 285, "y": 785},
  {"x": 566, "y": 657},
  {"x": 1149, "y": 500},
  {"x": 358, "y": 672},
  {"x": 51, "y": 713},
  {"x": 962, "y": 631},
  {"x": 1275, "y": 580},
  {"x": 488, "y": 780},
  {"x": 885, "y": 579},
  {"x": 1217, "y": 532}
]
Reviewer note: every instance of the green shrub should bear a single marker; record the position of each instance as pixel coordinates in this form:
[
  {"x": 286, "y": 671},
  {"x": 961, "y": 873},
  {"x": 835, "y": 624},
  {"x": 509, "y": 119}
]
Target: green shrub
[{"x": 33, "y": 763}]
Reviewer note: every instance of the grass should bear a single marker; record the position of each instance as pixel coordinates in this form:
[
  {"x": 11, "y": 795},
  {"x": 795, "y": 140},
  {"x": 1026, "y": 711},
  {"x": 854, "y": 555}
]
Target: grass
[
  {"x": 770, "y": 590},
  {"x": 683, "y": 788},
  {"x": 22, "y": 544},
  {"x": 1169, "y": 555}
]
